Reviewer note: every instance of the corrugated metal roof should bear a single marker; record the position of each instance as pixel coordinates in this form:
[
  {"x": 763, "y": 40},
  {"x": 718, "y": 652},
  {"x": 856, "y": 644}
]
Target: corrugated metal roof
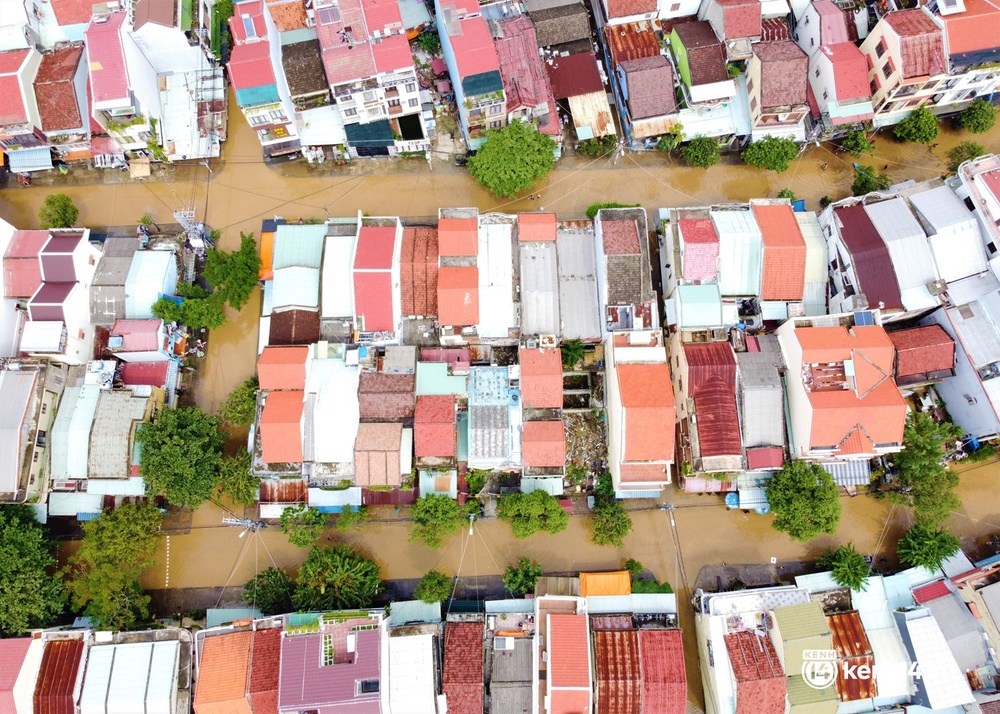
[
  {"x": 941, "y": 683},
  {"x": 619, "y": 678},
  {"x": 762, "y": 399},
  {"x": 740, "y": 252},
  {"x": 699, "y": 306},
  {"x": 298, "y": 245},
  {"x": 57, "y": 677},
  {"x": 336, "y": 411},
  {"x": 496, "y": 277},
  {"x": 956, "y": 240},
  {"x": 891, "y": 674},
  {"x": 17, "y": 394},
  {"x": 338, "y": 295},
  {"x": 539, "y": 288},
  {"x": 856, "y": 472},
  {"x": 129, "y": 678},
  {"x": 908, "y": 250},
  {"x": 132, "y": 486},
  {"x": 870, "y": 257},
  {"x": 295, "y": 287},
  {"x": 580, "y": 310},
  {"x": 965, "y": 636},
  {"x": 74, "y": 503},
  {"x": 411, "y": 674},
  {"x": 153, "y": 273},
  {"x": 978, "y": 329},
  {"x": 801, "y": 621}
]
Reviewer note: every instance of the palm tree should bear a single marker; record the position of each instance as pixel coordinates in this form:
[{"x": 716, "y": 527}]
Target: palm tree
[{"x": 572, "y": 353}]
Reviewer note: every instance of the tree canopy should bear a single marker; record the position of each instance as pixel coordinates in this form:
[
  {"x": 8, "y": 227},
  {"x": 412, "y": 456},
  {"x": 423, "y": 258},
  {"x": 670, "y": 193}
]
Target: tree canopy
[
  {"x": 270, "y": 591},
  {"x": 979, "y": 117},
  {"x": 701, "y": 151},
  {"x": 857, "y": 143},
  {"x": 867, "y": 179},
  {"x": 921, "y": 126},
  {"x": 240, "y": 406},
  {"x": 198, "y": 309},
  {"x": 848, "y": 567},
  {"x": 528, "y": 513},
  {"x": 103, "y": 575},
  {"x": 572, "y": 352},
  {"x": 302, "y": 524},
  {"x": 30, "y": 594},
  {"x": 595, "y": 208},
  {"x": 926, "y": 484},
  {"x": 236, "y": 480},
  {"x": 180, "y": 455},
  {"x": 512, "y": 159},
  {"x": 435, "y": 517},
  {"x": 771, "y": 152},
  {"x": 351, "y": 518},
  {"x": 965, "y": 151},
  {"x": 435, "y": 586},
  {"x": 804, "y": 500},
  {"x": 58, "y": 211},
  {"x": 611, "y": 523},
  {"x": 337, "y": 577},
  {"x": 234, "y": 275},
  {"x": 521, "y": 579},
  {"x": 926, "y": 546}
]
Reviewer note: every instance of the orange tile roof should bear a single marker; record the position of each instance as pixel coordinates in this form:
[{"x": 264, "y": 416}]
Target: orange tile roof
[
  {"x": 280, "y": 427},
  {"x": 541, "y": 378},
  {"x": 434, "y": 426},
  {"x": 568, "y": 649},
  {"x": 282, "y": 367},
  {"x": 536, "y": 226},
  {"x": 288, "y": 15},
  {"x": 266, "y": 255},
  {"x": 784, "y": 253},
  {"x": 543, "y": 444},
  {"x": 973, "y": 30},
  {"x": 648, "y": 400},
  {"x": 643, "y": 473},
  {"x": 856, "y": 443},
  {"x": 222, "y": 675},
  {"x": 920, "y": 350},
  {"x": 458, "y": 295},
  {"x": 458, "y": 236}
]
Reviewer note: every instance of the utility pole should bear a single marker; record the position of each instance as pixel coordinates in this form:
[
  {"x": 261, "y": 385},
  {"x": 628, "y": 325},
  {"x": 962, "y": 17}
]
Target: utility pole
[{"x": 246, "y": 524}]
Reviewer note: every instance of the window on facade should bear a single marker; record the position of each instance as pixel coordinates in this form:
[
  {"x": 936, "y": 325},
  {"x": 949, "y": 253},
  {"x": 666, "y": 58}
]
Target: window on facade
[
  {"x": 817, "y": 72},
  {"x": 873, "y": 86},
  {"x": 327, "y": 651},
  {"x": 370, "y": 96},
  {"x": 494, "y": 125},
  {"x": 886, "y": 70},
  {"x": 812, "y": 41},
  {"x": 414, "y": 102},
  {"x": 825, "y": 94},
  {"x": 749, "y": 85},
  {"x": 393, "y": 102},
  {"x": 411, "y": 87},
  {"x": 753, "y": 104},
  {"x": 368, "y": 686},
  {"x": 45, "y": 406},
  {"x": 350, "y": 112},
  {"x": 675, "y": 7},
  {"x": 258, "y": 120},
  {"x": 496, "y": 109},
  {"x": 880, "y": 49}
]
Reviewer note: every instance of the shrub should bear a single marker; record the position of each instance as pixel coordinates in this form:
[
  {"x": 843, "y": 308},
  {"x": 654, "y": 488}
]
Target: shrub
[
  {"x": 429, "y": 41},
  {"x": 521, "y": 580},
  {"x": 598, "y": 146},
  {"x": 611, "y": 523},
  {"x": 771, "y": 152},
  {"x": 857, "y": 143},
  {"x": 921, "y": 127},
  {"x": 979, "y": 117},
  {"x": 594, "y": 208},
  {"x": 966, "y": 151},
  {"x": 435, "y": 586},
  {"x": 849, "y": 567},
  {"x": 787, "y": 193},
  {"x": 702, "y": 151}
]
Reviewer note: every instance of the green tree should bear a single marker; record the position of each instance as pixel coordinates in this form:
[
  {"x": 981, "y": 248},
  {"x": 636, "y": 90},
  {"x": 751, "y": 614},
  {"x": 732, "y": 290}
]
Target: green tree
[
  {"x": 234, "y": 275},
  {"x": 804, "y": 500},
  {"x": 197, "y": 313},
  {"x": 30, "y": 595},
  {"x": 528, "y": 513},
  {"x": 512, "y": 159},
  {"x": 572, "y": 352},
  {"x": 611, "y": 523},
  {"x": 965, "y": 151},
  {"x": 302, "y": 524},
  {"x": 771, "y": 152},
  {"x": 520, "y": 580},
  {"x": 921, "y": 126},
  {"x": 351, "y": 518},
  {"x": 180, "y": 455},
  {"x": 334, "y": 578},
  {"x": 168, "y": 311},
  {"x": 435, "y": 517},
  {"x": 270, "y": 591},
  {"x": 476, "y": 479},
  {"x": 670, "y": 141},
  {"x": 867, "y": 180},
  {"x": 598, "y": 146},
  {"x": 926, "y": 484},
  {"x": 595, "y": 208},
  {"x": 605, "y": 487},
  {"x": 926, "y": 546},
  {"x": 857, "y": 143},
  {"x": 429, "y": 41},
  {"x": 848, "y": 567},
  {"x": 633, "y": 566},
  {"x": 702, "y": 151},
  {"x": 240, "y": 406},
  {"x": 979, "y": 117},
  {"x": 236, "y": 480},
  {"x": 433, "y": 587},
  {"x": 787, "y": 193},
  {"x": 58, "y": 211},
  {"x": 103, "y": 575},
  {"x": 146, "y": 219}
]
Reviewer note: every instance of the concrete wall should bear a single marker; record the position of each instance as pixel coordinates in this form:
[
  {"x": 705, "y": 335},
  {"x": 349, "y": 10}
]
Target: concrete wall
[{"x": 799, "y": 407}]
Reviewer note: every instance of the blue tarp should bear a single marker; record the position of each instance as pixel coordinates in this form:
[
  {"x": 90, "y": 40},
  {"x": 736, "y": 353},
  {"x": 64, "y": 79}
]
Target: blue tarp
[
  {"x": 35, "y": 159},
  {"x": 252, "y": 96}
]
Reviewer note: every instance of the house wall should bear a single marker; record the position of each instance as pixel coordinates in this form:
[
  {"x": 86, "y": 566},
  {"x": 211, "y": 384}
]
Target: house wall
[
  {"x": 679, "y": 371},
  {"x": 605, "y": 18},
  {"x": 753, "y": 89},
  {"x": 681, "y": 60},
  {"x": 711, "y": 11},
  {"x": 143, "y": 82},
  {"x": 616, "y": 414},
  {"x": 806, "y": 32},
  {"x": 799, "y": 407},
  {"x": 274, "y": 38},
  {"x": 79, "y": 330},
  {"x": 397, "y": 296},
  {"x": 669, "y": 9},
  {"x": 602, "y": 278},
  {"x": 26, "y": 78},
  {"x": 822, "y": 80}
]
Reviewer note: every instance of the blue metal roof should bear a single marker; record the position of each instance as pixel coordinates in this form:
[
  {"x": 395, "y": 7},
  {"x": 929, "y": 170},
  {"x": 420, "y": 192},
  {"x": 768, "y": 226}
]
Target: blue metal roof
[{"x": 35, "y": 159}]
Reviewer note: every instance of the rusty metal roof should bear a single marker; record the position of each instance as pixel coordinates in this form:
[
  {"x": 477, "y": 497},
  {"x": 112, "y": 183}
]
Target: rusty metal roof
[
  {"x": 854, "y": 652},
  {"x": 849, "y": 638},
  {"x": 283, "y": 491},
  {"x": 633, "y": 41}
]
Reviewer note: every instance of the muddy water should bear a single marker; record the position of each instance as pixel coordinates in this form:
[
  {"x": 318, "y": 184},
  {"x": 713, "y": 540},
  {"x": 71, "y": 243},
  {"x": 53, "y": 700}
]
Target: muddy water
[{"x": 231, "y": 357}]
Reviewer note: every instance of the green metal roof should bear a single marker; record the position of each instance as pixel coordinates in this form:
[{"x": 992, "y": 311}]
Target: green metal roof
[
  {"x": 375, "y": 134},
  {"x": 800, "y": 693},
  {"x": 483, "y": 83},
  {"x": 798, "y": 622},
  {"x": 433, "y": 378}
]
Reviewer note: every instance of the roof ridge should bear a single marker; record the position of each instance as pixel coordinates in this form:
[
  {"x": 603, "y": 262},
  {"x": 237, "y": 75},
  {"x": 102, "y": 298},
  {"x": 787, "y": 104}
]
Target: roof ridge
[{"x": 873, "y": 364}]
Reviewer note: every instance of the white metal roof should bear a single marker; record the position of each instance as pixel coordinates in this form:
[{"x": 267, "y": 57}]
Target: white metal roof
[
  {"x": 295, "y": 288},
  {"x": 978, "y": 329},
  {"x": 72, "y": 503},
  {"x": 43, "y": 336},
  {"x": 341, "y": 497},
  {"x": 152, "y": 272},
  {"x": 579, "y": 306},
  {"x": 17, "y": 395},
  {"x": 411, "y": 674},
  {"x": 71, "y": 432},
  {"x": 496, "y": 278},
  {"x": 942, "y": 680},
  {"x": 132, "y": 486},
  {"x": 338, "y": 282},
  {"x": 336, "y": 412},
  {"x": 298, "y": 245},
  {"x": 740, "y": 252},
  {"x": 955, "y": 238},
  {"x": 539, "y": 288},
  {"x": 908, "y": 250},
  {"x": 698, "y": 306},
  {"x": 816, "y": 252},
  {"x": 130, "y": 678},
  {"x": 640, "y": 603},
  {"x": 892, "y": 677}
]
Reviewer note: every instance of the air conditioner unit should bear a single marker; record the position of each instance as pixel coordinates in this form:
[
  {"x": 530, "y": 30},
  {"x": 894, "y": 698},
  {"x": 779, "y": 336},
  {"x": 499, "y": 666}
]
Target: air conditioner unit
[
  {"x": 718, "y": 334},
  {"x": 937, "y": 287},
  {"x": 64, "y": 486},
  {"x": 503, "y": 644}
]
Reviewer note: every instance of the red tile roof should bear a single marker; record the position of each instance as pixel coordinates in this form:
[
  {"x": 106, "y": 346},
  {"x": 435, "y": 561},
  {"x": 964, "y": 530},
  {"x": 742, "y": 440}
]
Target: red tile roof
[
  {"x": 288, "y": 15},
  {"x": 282, "y": 367},
  {"x": 765, "y": 457},
  {"x": 137, "y": 335},
  {"x": 850, "y": 71},
  {"x": 392, "y": 54},
  {"x": 536, "y": 227},
  {"x": 463, "y": 667},
  {"x": 386, "y": 397},
  {"x": 543, "y": 444},
  {"x": 108, "y": 79},
  {"x": 619, "y": 676},
  {"x": 870, "y": 257},
  {"x": 458, "y": 236},
  {"x": 12, "y": 109},
  {"x": 222, "y": 675},
  {"x": 541, "y": 378},
  {"x": 419, "y": 271},
  {"x": 434, "y": 426},
  {"x": 742, "y": 18},
  {"x": 784, "y": 253},
  {"x": 569, "y": 652},
  {"x": 252, "y": 10},
  {"x": 921, "y": 43},
  {"x": 784, "y": 74},
  {"x": 712, "y": 384},
  {"x": 57, "y": 675},
  {"x": 153, "y": 374},
  {"x": 265, "y": 660},
  {"x": 930, "y": 591},
  {"x": 700, "y": 249},
  {"x": 382, "y": 15},
  {"x": 648, "y": 400},
  {"x": 375, "y": 248},
  {"x": 373, "y": 301},
  {"x": 664, "y": 679},
  {"x": 12, "y": 654},
  {"x": 458, "y": 296},
  {"x": 923, "y": 349},
  {"x": 55, "y": 89},
  {"x": 973, "y": 30},
  {"x": 250, "y": 65},
  {"x": 574, "y": 76},
  {"x": 72, "y": 12},
  {"x": 473, "y": 48},
  {"x": 643, "y": 473},
  {"x": 343, "y": 64},
  {"x": 760, "y": 681},
  {"x": 281, "y": 427},
  {"x": 376, "y": 455},
  {"x": 294, "y": 327},
  {"x": 620, "y": 237},
  {"x": 627, "y": 8},
  {"x": 650, "y": 82},
  {"x": 22, "y": 270},
  {"x": 525, "y": 81}
]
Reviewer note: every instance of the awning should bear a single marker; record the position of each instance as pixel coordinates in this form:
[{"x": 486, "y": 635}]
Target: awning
[
  {"x": 36, "y": 159},
  {"x": 850, "y": 473}
]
